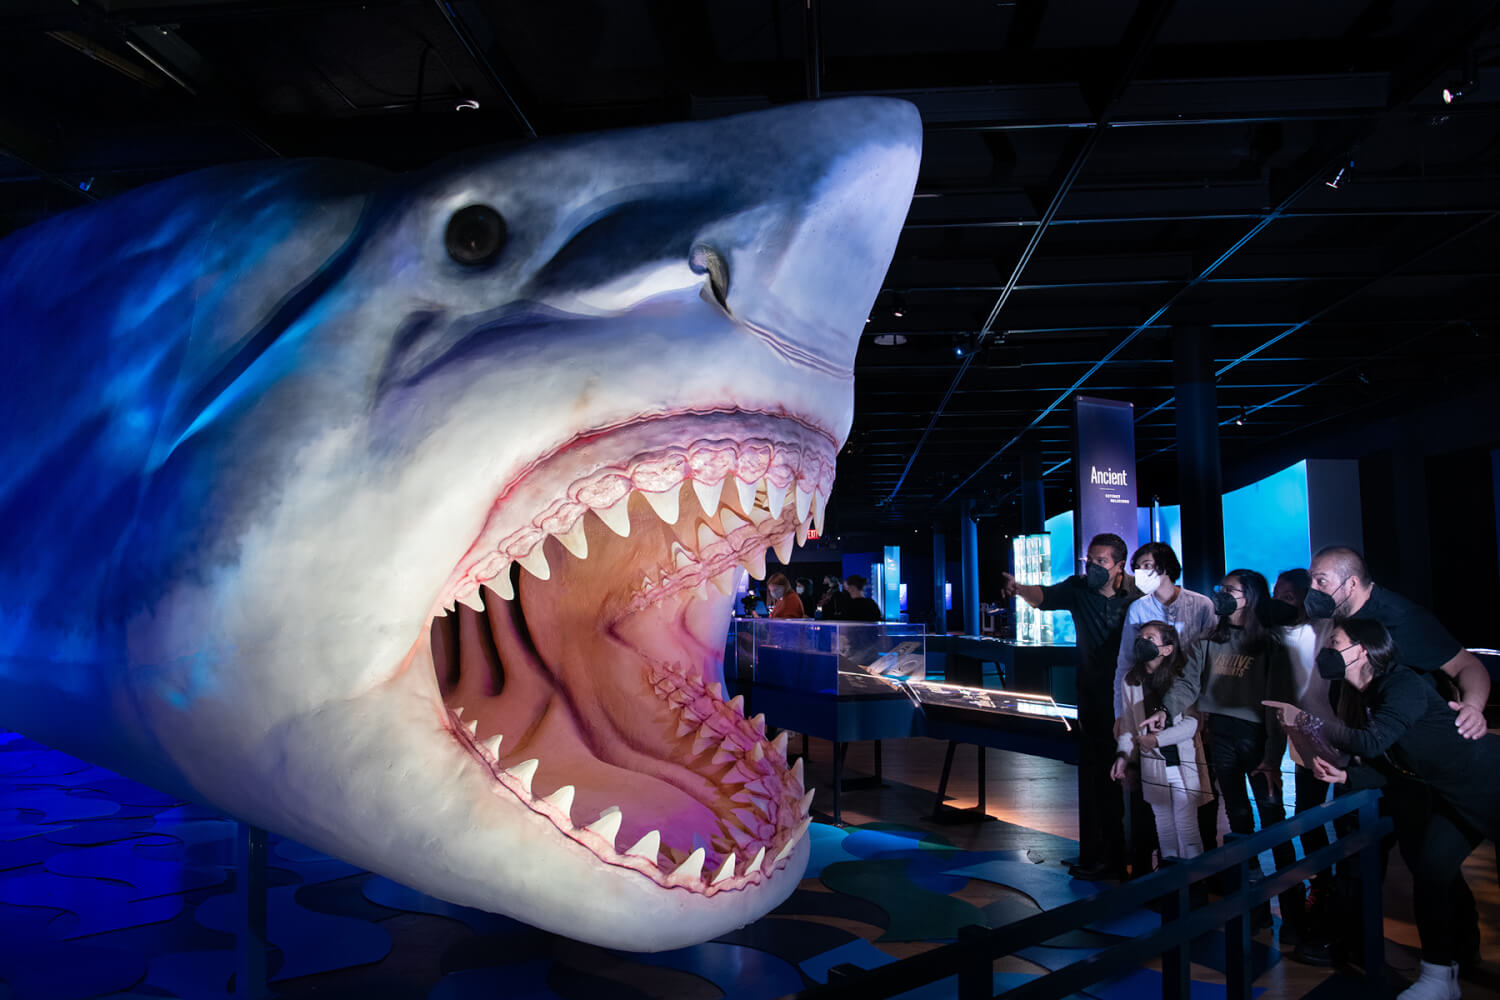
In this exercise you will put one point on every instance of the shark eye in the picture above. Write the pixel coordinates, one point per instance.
(476, 235)
(705, 259)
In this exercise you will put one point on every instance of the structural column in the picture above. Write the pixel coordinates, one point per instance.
(969, 532)
(939, 581)
(1200, 479)
(1033, 496)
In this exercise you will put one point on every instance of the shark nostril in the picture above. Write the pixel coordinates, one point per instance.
(704, 259)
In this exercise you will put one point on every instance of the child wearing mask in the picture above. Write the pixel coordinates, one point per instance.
(1156, 570)
(1174, 778)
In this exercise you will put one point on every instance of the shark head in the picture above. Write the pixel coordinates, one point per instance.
(429, 554)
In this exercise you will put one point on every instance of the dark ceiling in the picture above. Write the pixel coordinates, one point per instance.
(1098, 178)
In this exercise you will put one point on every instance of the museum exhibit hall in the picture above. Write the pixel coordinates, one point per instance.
(677, 501)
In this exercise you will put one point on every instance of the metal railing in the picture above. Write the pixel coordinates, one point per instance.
(971, 958)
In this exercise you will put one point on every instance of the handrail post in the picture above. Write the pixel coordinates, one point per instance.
(1176, 963)
(975, 981)
(1371, 904)
(1237, 929)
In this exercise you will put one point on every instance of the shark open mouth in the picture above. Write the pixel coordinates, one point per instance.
(579, 646)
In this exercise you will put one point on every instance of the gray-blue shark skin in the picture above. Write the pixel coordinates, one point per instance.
(329, 501)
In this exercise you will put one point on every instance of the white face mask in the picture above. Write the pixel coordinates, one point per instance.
(1147, 580)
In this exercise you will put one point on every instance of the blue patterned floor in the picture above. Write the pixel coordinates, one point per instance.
(108, 888)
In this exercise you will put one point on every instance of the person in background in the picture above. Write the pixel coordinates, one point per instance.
(804, 589)
(1243, 663)
(834, 601)
(1097, 600)
(1173, 773)
(1302, 639)
(858, 607)
(784, 603)
(1395, 724)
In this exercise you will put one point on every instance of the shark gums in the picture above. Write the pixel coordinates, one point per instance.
(400, 516)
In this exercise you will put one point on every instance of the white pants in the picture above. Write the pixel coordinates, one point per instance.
(1177, 819)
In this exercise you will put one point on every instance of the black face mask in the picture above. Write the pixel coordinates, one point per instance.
(1276, 614)
(1097, 576)
(1224, 605)
(1145, 650)
(1319, 605)
(1330, 661)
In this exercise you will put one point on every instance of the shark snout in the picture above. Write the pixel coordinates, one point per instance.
(803, 268)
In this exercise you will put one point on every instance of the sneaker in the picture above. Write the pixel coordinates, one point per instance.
(1437, 982)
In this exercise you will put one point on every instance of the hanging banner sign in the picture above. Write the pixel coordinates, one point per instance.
(1104, 460)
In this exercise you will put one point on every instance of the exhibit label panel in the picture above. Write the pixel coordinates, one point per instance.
(1104, 457)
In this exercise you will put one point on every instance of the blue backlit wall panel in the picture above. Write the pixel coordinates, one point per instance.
(1266, 523)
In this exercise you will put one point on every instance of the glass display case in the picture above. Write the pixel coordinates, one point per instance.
(833, 658)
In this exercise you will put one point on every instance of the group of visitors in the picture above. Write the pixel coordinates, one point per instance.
(1189, 699)
(840, 600)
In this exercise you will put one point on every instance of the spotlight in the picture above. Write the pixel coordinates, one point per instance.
(890, 339)
(1452, 94)
(899, 309)
(1339, 176)
(467, 104)
(1239, 421)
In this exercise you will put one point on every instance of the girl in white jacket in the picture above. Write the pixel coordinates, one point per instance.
(1174, 771)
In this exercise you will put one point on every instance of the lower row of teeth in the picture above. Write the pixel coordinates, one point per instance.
(558, 806)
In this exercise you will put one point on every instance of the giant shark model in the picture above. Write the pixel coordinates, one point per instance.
(400, 515)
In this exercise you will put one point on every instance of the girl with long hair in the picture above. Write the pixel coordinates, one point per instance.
(1397, 725)
(1242, 663)
(1174, 780)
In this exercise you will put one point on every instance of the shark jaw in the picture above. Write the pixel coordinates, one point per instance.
(578, 647)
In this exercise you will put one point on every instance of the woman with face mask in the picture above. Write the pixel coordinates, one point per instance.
(1242, 663)
(784, 603)
(1173, 775)
(1396, 725)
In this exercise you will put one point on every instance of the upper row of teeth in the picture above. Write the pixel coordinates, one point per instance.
(602, 832)
(761, 501)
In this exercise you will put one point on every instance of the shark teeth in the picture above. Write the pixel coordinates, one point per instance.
(726, 870)
(775, 498)
(746, 493)
(501, 586)
(575, 541)
(562, 800)
(802, 500)
(647, 847)
(667, 505)
(492, 746)
(692, 868)
(617, 517)
(535, 562)
(607, 826)
(523, 773)
(708, 496)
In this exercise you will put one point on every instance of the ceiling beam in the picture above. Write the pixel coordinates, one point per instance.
(461, 30)
(1140, 35)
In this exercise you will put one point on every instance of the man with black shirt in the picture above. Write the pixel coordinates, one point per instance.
(858, 608)
(1097, 600)
(1342, 588)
